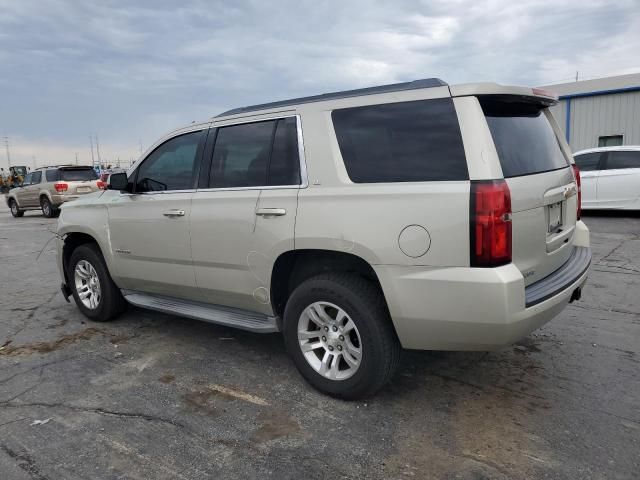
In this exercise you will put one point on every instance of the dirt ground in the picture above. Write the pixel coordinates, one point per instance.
(152, 396)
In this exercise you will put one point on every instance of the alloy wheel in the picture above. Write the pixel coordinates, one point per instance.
(87, 284)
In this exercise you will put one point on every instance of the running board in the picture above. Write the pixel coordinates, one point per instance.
(227, 316)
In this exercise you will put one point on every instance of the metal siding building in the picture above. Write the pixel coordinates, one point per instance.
(604, 107)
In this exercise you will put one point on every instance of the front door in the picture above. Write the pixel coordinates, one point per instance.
(618, 183)
(244, 218)
(149, 228)
(22, 193)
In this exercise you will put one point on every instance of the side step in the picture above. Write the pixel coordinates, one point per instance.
(227, 316)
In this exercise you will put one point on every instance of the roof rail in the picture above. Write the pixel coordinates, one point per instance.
(394, 87)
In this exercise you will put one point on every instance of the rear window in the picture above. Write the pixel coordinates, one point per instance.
(524, 138)
(401, 142)
(588, 161)
(77, 174)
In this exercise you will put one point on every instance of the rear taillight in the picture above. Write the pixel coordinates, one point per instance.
(576, 174)
(61, 187)
(101, 185)
(490, 219)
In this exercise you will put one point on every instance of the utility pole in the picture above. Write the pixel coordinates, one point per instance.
(576, 76)
(33, 158)
(6, 145)
(98, 151)
(76, 158)
(93, 160)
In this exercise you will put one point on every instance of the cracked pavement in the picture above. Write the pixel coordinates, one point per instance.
(162, 397)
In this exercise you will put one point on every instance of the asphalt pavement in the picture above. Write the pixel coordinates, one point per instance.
(153, 396)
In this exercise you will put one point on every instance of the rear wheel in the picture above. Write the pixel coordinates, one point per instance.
(93, 289)
(15, 211)
(47, 209)
(339, 334)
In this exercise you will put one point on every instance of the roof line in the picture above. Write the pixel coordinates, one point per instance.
(394, 87)
(599, 92)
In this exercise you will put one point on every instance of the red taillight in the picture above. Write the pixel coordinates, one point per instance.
(61, 187)
(576, 174)
(101, 185)
(490, 223)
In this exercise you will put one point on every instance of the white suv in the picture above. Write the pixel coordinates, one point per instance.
(416, 215)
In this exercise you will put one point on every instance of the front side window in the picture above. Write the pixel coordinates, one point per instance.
(401, 142)
(171, 166)
(623, 159)
(51, 175)
(37, 176)
(588, 161)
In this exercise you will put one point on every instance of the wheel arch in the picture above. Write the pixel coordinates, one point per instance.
(72, 241)
(293, 267)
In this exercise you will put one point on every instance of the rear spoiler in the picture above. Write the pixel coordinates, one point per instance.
(533, 95)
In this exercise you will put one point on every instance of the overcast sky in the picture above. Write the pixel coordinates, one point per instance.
(130, 71)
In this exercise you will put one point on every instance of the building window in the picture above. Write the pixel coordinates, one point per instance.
(610, 141)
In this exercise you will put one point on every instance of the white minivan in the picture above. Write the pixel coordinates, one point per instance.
(610, 177)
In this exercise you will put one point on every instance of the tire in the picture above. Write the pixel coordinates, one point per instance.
(15, 211)
(363, 303)
(47, 209)
(109, 303)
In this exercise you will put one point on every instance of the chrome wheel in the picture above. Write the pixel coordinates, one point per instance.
(14, 208)
(329, 340)
(46, 208)
(87, 284)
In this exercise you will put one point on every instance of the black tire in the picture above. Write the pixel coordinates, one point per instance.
(111, 302)
(363, 301)
(15, 211)
(47, 209)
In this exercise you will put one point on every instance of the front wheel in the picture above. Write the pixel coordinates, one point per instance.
(338, 332)
(93, 289)
(15, 211)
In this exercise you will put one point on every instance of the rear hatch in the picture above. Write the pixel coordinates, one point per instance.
(540, 180)
(80, 180)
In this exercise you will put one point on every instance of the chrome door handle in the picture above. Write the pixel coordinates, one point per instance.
(271, 212)
(174, 213)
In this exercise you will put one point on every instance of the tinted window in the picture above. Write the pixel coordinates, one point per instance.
(284, 167)
(588, 161)
(241, 155)
(171, 166)
(37, 176)
(401, 142)
(77, 174)
(523, 136)
(27, 179)
(623, 160)
(51, 175)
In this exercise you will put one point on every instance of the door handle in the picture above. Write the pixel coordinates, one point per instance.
(173, 213)
(271, 212)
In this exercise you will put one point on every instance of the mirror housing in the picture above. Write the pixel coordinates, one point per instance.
(118, 181)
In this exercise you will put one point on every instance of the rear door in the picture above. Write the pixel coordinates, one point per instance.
(22, 193)
(540, 179)
(244, 216)
(589, 165)
(619, 180)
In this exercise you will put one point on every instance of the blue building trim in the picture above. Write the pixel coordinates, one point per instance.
(567, 126)
(600, 92)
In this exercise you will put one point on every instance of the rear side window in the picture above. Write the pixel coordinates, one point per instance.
(523, 136)
(588, 161)
(51, 175)
(37, 176)
(256, 155)
(401, 142)
(78, 174)
(623, 159)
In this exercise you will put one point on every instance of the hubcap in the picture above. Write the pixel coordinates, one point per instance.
(45, 207)
(87, 284)
(329, 340)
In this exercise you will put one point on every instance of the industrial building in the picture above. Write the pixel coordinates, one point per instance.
(603, 112)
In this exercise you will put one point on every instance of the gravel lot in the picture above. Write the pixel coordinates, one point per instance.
(152, 396)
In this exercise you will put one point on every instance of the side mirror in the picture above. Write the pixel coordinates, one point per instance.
(118, 181)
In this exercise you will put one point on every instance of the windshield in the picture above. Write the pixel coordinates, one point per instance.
(524, 138)
(75, 175)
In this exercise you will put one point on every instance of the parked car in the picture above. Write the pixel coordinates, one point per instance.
(47, 188)
(610, 177)
(415, 215)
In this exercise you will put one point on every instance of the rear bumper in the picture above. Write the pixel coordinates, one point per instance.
(60, 199)
(475, 308)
